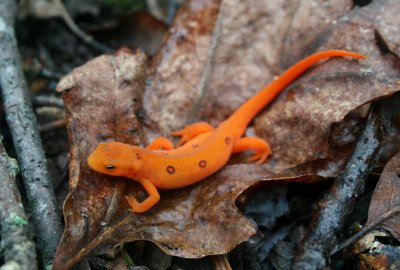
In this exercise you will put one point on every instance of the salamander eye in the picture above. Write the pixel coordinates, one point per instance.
(110, 167)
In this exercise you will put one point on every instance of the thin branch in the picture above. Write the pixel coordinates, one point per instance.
(388, 215)
(56, 124)
(77, 31)
(47, 101)
(155, 9)
(171, 11)
(19, 250)
(221, 262)
(322, 234)
(22, 123)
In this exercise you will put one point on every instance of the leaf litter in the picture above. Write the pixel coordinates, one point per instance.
(384, 210)
(204, 70)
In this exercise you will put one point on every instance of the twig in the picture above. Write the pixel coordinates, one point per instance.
(59, 123)
(18, 248)
(77, 31)
(322, 234)
(221, 262)
(47, 73)
(45, 100)
(155, 9)
(23, 127)
(171, 11)
(394, 211)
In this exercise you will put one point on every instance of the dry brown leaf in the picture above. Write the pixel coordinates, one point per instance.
(371, 252)
(374, 262)
(214, 58)
(232, 47)
(384, 210)
(249, 53)
(191, 222)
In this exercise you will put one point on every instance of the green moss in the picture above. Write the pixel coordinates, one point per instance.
(17, 220)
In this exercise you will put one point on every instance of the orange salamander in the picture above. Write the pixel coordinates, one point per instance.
(203, 149)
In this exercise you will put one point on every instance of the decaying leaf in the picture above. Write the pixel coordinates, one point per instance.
(373, 252)
(217, 54)
(384, 210)
(243, 61)
(192, 222)
(387, 258)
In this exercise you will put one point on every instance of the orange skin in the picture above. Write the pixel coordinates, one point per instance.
(203, 149)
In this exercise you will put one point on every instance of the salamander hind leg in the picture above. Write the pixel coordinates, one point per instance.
(161, 143)
(141, 207)
(261, 147)
(192, 131)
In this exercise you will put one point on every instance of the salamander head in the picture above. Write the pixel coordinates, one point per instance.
(117, 159)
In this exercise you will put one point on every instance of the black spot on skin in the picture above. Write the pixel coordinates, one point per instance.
(202, 164)
(138, 156)
(170, 169)
(227, 140)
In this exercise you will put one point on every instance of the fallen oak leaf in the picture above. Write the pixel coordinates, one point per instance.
(180, 66)
(307, 109)
(85, 202)
(126, 228)
(96, 213)
(240, 42)
(97, 216)
(384, 210)
(384, 15)
(305, 113)
(95, 205)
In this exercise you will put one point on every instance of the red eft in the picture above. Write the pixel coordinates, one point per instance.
(203, 149)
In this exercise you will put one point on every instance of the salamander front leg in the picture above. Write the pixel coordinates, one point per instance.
(192, 131)
(141, 207)
(261, 147)
(161, 143)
